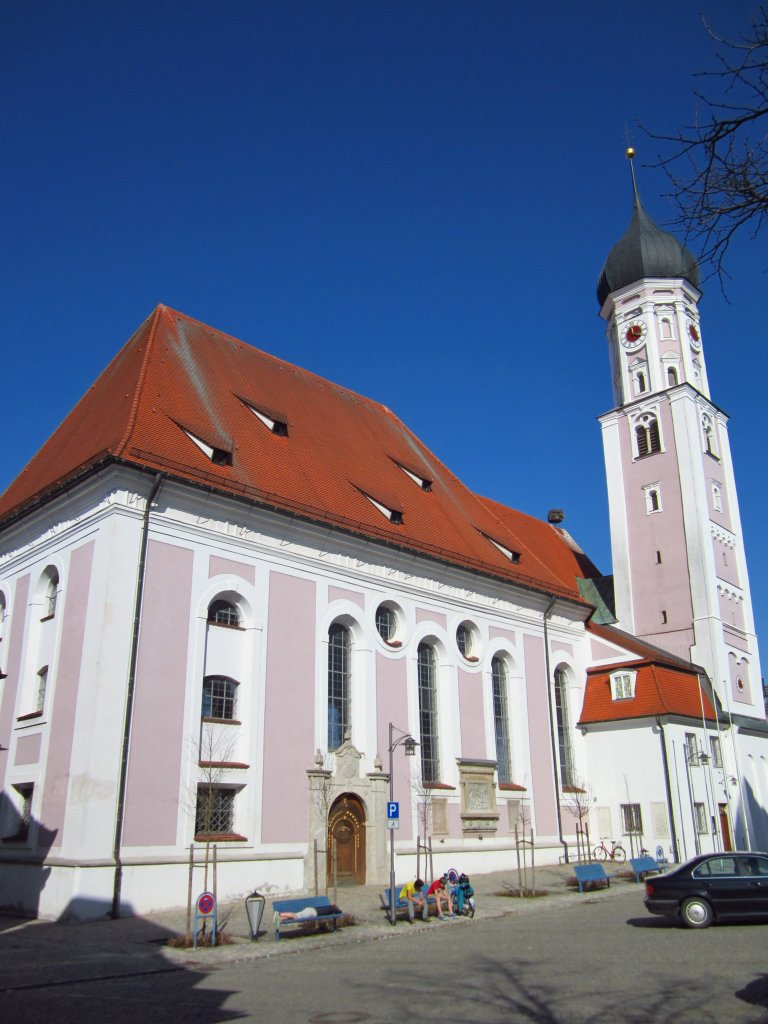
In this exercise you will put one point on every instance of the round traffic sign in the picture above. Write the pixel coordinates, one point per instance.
(205, 903)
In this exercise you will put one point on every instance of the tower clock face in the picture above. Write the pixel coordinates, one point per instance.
(693, 334)
(633, 334)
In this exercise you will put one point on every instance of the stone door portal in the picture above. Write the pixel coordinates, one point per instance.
(346, 840)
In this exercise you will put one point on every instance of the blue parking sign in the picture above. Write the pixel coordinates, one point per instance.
(393, 809)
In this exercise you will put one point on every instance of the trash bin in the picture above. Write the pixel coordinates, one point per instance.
(254, 908)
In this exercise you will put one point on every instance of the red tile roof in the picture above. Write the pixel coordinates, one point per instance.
(176, 374)
(659, 690)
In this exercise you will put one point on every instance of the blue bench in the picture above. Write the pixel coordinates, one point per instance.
(643, 866)
(590, 873)
(294, 906)
(402, 905)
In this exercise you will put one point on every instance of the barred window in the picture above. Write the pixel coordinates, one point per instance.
(427, 678)
(563, 728)
(501, 719)
(339, 652)
(465, 640)
(219, 697)
(386, 622)
(631, 819)
(215, 810)
(700, 813)
(223, 613)
(717, 754)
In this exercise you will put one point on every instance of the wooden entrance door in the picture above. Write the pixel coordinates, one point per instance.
(346, 838)
(725, 828)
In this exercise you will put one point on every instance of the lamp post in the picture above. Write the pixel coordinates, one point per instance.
(410, 745)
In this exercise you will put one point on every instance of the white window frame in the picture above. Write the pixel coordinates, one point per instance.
(623, 685)
(649, 491)
(717, 496)
(700, 818)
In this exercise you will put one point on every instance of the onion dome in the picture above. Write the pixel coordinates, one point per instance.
(645, 251)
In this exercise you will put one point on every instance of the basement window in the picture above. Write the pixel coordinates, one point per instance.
(277, 426)
(218, 456)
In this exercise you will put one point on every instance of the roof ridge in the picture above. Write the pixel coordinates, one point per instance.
(134, 410)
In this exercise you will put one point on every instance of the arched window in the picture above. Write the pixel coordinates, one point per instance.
(563, 728)
(51, 593)
(639, 382)
(223, 613)
(465, 640)
(339, 650)
(672, 376)
(427, 676)
(647, 436)
(219, 698)
(501, 719)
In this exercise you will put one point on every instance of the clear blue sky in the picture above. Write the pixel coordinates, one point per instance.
(411, 197)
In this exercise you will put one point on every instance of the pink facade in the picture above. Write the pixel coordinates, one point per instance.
(15, 641)
(426, 615)
(28, 749)
(67, 686)
(339, 594)
(157, 733)
(218, 566)
(289, 707)
(392, 706)
(471, 712)
(657, 551)
(542, 784)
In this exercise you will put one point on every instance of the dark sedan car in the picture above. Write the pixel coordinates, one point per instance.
(712, 887)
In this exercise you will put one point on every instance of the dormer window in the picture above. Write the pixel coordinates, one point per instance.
(622, 685)
(513, 556)
(271, 422)
(393, 515)
(218, 456)
(420, 481)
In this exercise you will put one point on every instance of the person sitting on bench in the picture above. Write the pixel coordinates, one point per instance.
(439, 889)
(413, 894)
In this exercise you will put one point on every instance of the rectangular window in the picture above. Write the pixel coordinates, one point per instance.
(622, 686)
(717, 755)
(215, 811)
(631, 819)
(691, 747)
(700, 814)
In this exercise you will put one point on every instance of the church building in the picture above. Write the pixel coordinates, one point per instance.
(231, 590)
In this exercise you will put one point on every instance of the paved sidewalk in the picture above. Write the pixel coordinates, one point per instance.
(39, 953)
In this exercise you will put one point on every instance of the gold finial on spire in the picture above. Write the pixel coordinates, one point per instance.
(631, 156)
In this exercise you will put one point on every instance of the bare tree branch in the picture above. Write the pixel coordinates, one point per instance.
(718, 166)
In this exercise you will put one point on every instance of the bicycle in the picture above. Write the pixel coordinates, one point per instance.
(616, 852)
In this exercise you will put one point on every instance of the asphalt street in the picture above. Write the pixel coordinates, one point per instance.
(590, 961)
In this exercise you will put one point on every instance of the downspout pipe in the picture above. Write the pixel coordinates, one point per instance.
(128, 719)
(558, 794)
(668, 789)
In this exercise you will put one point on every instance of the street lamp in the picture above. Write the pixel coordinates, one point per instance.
(410, 745)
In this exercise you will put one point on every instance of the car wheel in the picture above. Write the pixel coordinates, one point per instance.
(599, 853)
(618, 854)
(696, 912)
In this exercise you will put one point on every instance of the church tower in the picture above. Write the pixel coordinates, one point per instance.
(680, 574)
